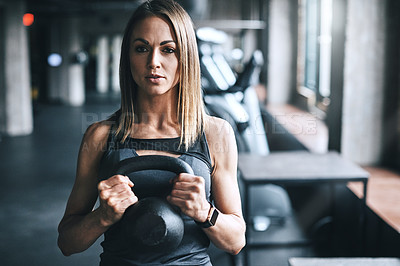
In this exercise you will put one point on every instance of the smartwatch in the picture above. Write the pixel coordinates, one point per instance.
(211, 218)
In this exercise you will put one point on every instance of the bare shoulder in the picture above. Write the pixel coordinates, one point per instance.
(96, 135)
(220, 137)
(217, 125)
(98, 129)
(92, 148)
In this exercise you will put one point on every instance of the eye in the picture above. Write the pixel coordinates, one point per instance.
(141, 49)
(169, 50)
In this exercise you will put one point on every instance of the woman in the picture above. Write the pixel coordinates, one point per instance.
(161, 113)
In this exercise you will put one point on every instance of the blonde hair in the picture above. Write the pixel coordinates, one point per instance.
(190, 109)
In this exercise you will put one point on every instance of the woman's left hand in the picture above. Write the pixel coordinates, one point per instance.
(188, 193)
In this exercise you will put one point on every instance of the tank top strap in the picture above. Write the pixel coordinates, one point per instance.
(201, 151)
(198, 149)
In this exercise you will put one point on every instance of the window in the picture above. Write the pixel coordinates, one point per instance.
(315, 20)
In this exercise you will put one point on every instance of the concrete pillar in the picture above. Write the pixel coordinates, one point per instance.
(334, 115)
(116, 55)
(281, 57)
(55, 75)
(66, 82)
(15, 92)
(76, 87)
(363, 91)
(102, 71)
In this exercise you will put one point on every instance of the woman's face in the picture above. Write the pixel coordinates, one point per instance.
(154, 56)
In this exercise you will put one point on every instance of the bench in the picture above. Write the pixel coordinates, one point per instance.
(383, 194)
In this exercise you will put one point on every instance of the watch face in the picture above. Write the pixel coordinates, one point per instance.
(214, 217)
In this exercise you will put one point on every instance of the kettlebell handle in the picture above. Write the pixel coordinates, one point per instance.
(152, 224)
(153, 162)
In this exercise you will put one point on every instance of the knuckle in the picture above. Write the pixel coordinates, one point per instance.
(187, 205)
(200, 180)
(177, 186)
(197, 189)
(117, 187)
(173, 192)
(119, 178)
(110, 202)
(127, 193)
(192, 196)
(103, 194)
(127, 187)
(133, 199)
(100, 186)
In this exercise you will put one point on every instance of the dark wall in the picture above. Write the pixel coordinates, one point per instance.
(391, 135)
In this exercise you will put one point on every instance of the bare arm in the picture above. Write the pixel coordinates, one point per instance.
(229, 230)
(81, 226)
(188, 193)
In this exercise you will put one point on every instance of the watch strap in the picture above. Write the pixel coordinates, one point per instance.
(211, 218)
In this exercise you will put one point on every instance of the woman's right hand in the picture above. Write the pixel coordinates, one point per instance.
(115, 196)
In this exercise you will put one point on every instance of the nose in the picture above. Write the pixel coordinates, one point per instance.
(154, 60)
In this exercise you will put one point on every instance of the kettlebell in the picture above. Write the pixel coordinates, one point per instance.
(152, 224)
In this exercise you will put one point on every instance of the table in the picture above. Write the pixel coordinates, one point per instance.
(297, 167)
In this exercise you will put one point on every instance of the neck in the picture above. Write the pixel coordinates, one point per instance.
(157, 115)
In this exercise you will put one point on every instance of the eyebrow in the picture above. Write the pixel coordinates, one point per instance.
(146, 42)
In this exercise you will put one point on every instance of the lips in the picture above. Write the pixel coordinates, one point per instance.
(155, 79)
(154, 76)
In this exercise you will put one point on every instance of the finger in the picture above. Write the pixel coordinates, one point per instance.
(187, 178)
(122, 194)
(192, 187)
(115, 180)
(184, 177)
(189, 187)
(187, 195)
(179, 202)
(126, 202)
(179, 195)
(129, 201)
(119, 203)
(117, 191)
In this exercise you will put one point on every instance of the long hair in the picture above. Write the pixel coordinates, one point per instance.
(190, 109)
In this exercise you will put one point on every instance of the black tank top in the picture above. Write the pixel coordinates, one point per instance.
(193, 248)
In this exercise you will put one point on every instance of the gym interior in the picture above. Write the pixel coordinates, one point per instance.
(327, 84)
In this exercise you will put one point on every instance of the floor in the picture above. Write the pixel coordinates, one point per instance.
(37, 173)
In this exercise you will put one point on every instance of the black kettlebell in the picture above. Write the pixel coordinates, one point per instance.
(152, 224)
